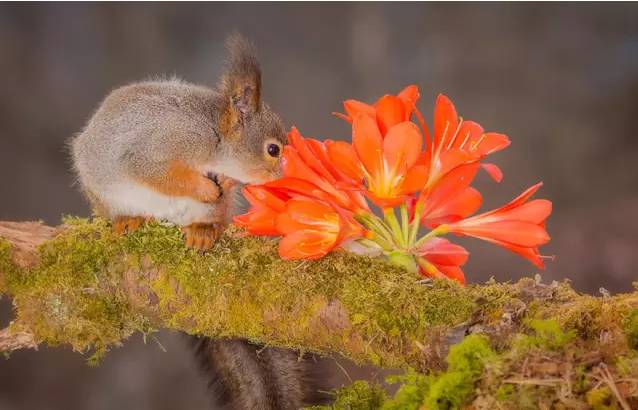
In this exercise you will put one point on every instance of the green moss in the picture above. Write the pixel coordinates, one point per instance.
(628, 365)
(466, 361)
(505, 392)
(601, 399)
(444, 391)
(75, 294)
(630, 327)
(546, 334)
(7, 268)
(411, 393)
(361, 395)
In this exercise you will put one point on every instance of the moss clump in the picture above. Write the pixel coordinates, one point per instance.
(360, 395)
(73, 295)
(466, 361)
(505, 392)
(601, 399)
(630, 326)
(412, 391)
(80, 294)
(547, 335)
(6, 263)
(444, 391)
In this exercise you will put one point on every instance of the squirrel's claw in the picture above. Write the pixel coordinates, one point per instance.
(127, 224)
(201, 236)
(222, 183)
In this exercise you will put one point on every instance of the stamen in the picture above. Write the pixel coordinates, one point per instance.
(475, 145)
(467, 137)
(550, 257)
(456, 133)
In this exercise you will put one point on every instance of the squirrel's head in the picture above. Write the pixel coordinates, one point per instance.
(252, 134)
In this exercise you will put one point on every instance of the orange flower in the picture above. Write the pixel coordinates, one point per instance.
(312, 228)
(440, 258)
(518, 226)
(458, 142)
(266, 205)
(388, 111)
(451, 198)
(307, 160)
(388, 164)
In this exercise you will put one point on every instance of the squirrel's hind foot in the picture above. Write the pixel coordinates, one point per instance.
(128, 224)
(202, 236)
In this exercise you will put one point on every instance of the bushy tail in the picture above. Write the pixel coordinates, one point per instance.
(244, 376)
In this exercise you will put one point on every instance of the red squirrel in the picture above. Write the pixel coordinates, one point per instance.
(170, 150)
(173, 151)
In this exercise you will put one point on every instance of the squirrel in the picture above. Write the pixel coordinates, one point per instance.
(173, 151)
(168, 150)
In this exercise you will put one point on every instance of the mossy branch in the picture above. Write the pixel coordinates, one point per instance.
(83, 286)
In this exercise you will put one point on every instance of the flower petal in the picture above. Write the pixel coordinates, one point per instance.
(306, 153)
(415, 179)
(260, 195)
(446, 120)
(488, 143)
(308, 214)
(402, 146)
(390, 111)
(469, 131)
(448, 187)
(536, 211)
(354, 108)
(443, 252)
(306, 244)
(493, 171)
(461, 206)
(344, 158)
(453, 272)
(368, 143)
(409, 95)
(519, 233)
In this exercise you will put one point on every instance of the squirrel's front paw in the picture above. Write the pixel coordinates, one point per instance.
(207, 190)
(222, 184)
(202, 236)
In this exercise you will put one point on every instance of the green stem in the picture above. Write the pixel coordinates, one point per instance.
(405, 225)
(376, 225)
(416, 224)
(392, 221)
(378, 240)
(440, 230)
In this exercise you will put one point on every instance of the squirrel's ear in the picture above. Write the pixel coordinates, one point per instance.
(240, 86)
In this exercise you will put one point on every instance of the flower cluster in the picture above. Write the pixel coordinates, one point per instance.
(416, 180)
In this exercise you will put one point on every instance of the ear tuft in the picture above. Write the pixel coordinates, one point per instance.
(240, 86)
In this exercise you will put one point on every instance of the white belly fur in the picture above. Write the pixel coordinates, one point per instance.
(132, 199)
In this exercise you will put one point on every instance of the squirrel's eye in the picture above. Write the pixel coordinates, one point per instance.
(273, 150)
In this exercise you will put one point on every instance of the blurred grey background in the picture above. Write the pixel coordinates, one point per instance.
(560, 79)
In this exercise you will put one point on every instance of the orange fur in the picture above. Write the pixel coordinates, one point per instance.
(182, 180)
(127, 224)
(202, 236)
